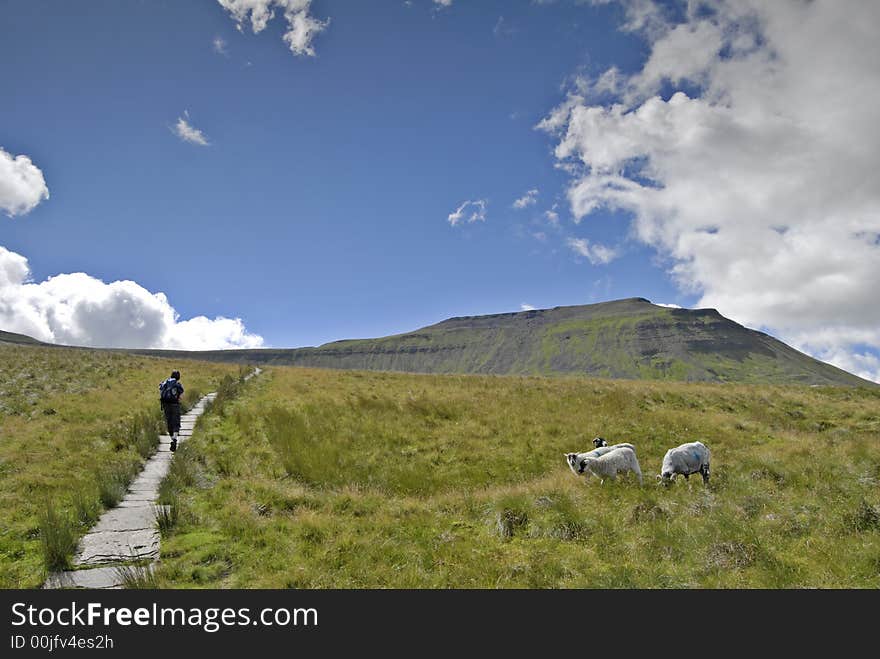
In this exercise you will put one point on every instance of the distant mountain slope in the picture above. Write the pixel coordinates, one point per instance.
(630, 338)
(622, 339)
(12, 337)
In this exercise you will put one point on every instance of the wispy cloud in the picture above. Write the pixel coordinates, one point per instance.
(526, 307)
(219, 45)
(530, 198)
(189, 133)
(595, 253)
(469, 211)
(503, 28)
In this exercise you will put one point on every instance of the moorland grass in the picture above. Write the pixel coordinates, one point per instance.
(75, 425)
(57, 538)
(321, 479)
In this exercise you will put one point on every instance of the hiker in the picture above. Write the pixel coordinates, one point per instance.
(170, 392)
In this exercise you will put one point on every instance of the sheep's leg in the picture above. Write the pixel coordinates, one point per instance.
(687, 476)
(704, 471)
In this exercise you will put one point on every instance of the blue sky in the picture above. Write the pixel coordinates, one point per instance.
(319, 208)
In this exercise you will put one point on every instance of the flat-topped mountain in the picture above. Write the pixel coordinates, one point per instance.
(630, 338)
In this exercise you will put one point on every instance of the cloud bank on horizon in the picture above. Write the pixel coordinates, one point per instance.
(77, 309)
(746, 151)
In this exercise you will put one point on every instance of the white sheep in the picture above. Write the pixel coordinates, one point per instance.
(621, 459)
(574, 459)
(686, 459)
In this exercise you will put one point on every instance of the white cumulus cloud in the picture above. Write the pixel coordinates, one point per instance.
(469, 211)
(22, 185)
(302, 27)
(77, 309)
(759, 178)
(530, 198)
(526, 307)
(189, 133)
(595, 253)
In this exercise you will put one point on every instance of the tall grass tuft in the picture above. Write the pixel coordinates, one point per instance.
(57, 538)
(511, 516)
(183, 473)
(167, 515)
(190, 397)
(142, 431)
(137, 577)
(227, 390)
(113, 482)
(865, 518)
(86, 508)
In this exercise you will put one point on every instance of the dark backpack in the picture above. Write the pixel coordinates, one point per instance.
(168, 391)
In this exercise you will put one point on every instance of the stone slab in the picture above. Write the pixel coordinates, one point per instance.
(155, 470)
(126, 519)
(140, 503)
(99, 577)
(117, 547)
(139, 496)
(142, 483)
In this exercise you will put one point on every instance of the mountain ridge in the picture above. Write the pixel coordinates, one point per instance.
(630, 338)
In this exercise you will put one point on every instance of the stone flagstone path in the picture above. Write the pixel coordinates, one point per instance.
(128, 532)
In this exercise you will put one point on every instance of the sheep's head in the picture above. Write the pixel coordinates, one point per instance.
(665, 478)
(599, 441)
(584, 465)
(572, 460)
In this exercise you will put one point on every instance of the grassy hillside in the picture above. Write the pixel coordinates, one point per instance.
(631, 339)
(74, 425)
(318, 478)
(13, 338)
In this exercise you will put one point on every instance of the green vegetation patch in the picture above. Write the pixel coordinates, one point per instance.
(75, 426)
(320, 479)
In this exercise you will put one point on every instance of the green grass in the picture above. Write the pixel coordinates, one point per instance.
(75, 425)
(57, 537)
(322, 479)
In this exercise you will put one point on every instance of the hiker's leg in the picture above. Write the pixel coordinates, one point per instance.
(169, 418)
(176, 417)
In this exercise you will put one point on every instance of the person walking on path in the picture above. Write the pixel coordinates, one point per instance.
(170, 392)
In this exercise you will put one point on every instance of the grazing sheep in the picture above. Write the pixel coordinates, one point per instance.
(686, 459)
(574, 459)
(621, 459)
